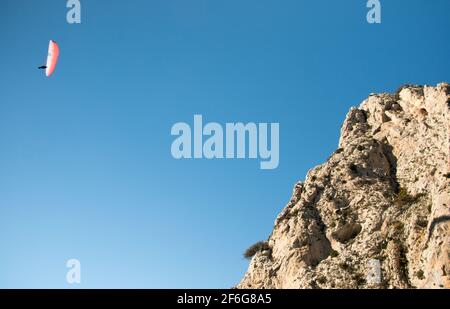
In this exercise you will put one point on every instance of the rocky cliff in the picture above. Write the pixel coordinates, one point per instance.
(377, 213)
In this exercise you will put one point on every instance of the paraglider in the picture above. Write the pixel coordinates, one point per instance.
(52, 58)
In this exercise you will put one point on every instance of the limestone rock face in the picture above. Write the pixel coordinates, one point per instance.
(377, 213)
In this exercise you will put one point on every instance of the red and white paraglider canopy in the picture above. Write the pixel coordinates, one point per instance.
(52, 58)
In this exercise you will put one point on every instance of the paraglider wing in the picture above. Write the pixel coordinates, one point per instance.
(52, 58)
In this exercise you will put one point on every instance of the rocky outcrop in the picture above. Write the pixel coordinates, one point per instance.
(377, 213)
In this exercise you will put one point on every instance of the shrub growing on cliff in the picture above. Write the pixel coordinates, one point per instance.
(420, 275)
(403, 198)
(322, 280)
(255, 248)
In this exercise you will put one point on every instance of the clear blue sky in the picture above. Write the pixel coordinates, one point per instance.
(85, 164)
